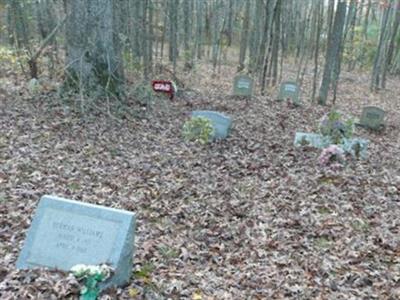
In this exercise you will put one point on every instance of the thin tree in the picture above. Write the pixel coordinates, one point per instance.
(333, 51)
(244, 36)
(379, 68)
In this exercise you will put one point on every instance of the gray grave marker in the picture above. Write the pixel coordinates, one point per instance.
(311, 139)
(221, 123)
(356, 147)
(65, 233)
(372, 117)
(289, 89)
(243, 86)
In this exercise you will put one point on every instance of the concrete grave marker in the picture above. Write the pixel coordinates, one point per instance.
(356, 147)
(372, 117)
(243, 86)
(289, 89)
(311, 139)
(221, 123)
(65, 233)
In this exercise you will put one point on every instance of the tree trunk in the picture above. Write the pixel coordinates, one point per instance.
(395, 31)
(199, 28)
(187, 12)
(244, 36)
(318, 23)
(379, 69)
(273, 71)
(93, 61)
(173, 33)
(333, 51)
(229, 31)
(18, 26)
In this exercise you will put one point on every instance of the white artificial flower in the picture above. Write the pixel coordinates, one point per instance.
(93, 270)
(105, 270)
(79, 270)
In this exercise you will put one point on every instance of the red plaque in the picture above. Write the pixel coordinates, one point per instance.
(164, 86)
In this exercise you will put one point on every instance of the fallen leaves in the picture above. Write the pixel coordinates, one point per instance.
(251, 217)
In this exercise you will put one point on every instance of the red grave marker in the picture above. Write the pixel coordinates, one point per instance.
(164, 86)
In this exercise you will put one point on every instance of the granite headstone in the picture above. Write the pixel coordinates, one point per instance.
(243, 86)
(289, 90)
(372, 117)
(65, 233)
(221, 123)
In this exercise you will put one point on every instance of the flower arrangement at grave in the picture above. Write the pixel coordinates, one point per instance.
(198, 129)
(335, 128)
(91, 276)
(332, 156)
(339, 133)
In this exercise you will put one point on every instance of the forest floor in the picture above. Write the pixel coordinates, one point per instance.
(250, 217)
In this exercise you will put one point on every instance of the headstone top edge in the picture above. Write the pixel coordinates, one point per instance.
(243, 75)
(209, 112)
(48, 200)
(373, 107)
(289, 82)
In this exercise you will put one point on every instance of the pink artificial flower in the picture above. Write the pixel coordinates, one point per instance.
(331, 154)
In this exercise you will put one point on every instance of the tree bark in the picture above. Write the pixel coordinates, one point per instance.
(93, 61)
(244, 36)
(379, 69)
(333, 51)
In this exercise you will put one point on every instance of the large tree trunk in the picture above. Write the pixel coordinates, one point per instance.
(93, 62)
(333, 51)
(394, 38)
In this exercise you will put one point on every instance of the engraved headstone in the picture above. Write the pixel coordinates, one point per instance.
(243, 86)
(65, 233)
(289, 90)
(221, 123)
(372, 117)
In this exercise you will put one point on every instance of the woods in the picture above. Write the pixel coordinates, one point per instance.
(267, 33)
(199, 149)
